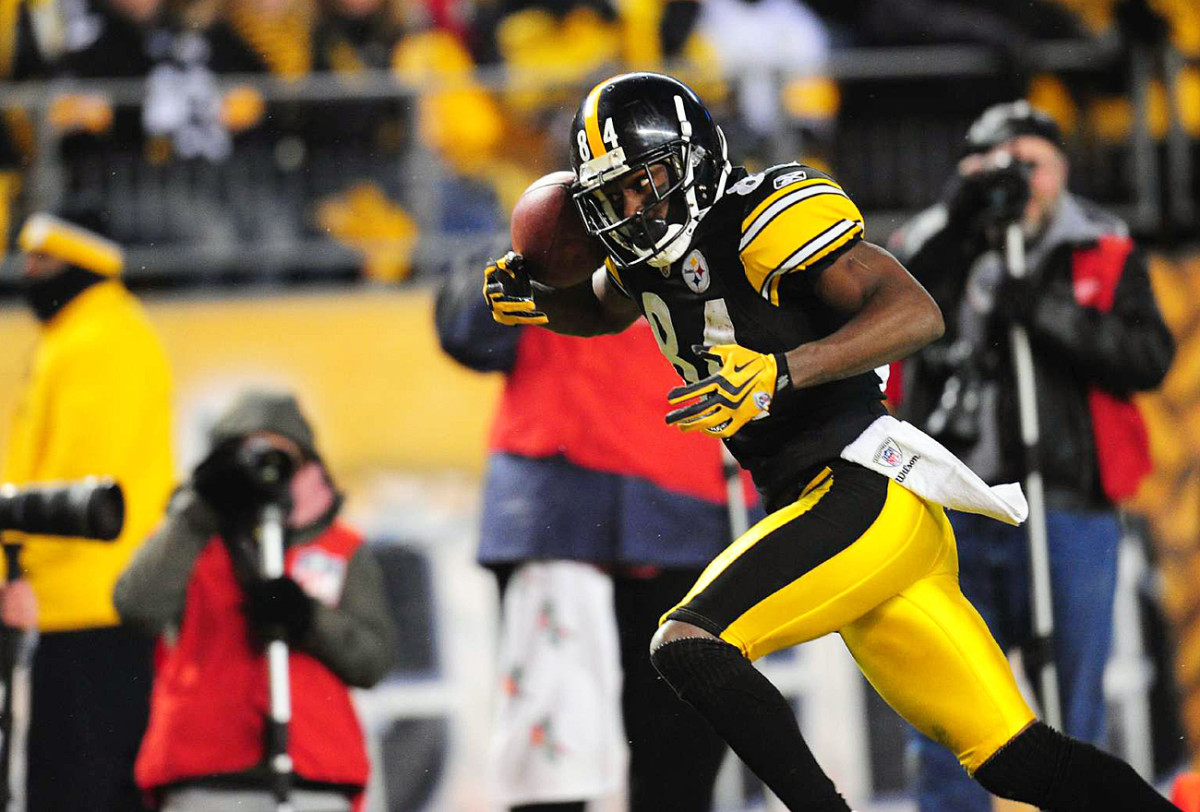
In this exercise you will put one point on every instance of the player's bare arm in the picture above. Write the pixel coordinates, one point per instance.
(592, 307)
(892, 317)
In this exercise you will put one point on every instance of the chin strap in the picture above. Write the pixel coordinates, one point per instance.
(679, 238)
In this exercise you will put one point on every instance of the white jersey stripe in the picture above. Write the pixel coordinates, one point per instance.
(768, 214)
(804, 252)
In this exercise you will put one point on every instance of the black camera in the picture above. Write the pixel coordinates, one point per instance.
(90, 508)
(267, 467)
(994, 195)
(1006, 191)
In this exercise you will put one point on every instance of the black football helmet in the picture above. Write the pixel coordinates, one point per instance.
(650, 127)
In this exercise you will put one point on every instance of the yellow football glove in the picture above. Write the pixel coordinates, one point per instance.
(741, 391)
(508, 291)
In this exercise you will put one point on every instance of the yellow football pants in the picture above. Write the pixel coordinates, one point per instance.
(892, 593)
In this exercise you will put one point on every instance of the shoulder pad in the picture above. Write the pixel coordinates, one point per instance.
(754, 188)
(794, 218)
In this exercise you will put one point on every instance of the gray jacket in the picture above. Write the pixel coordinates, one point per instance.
(355, 639)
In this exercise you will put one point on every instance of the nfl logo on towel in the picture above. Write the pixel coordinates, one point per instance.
(889, 454)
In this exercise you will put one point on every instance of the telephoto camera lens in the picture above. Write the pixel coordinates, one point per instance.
(269, 467)
(90, 508)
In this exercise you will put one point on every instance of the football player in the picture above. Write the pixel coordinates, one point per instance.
(775, 311)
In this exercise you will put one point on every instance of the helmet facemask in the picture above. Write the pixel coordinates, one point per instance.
(657, 232)
(677, 182)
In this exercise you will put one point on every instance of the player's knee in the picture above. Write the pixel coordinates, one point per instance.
(674, 630)
(1028, 767)
(693, 664)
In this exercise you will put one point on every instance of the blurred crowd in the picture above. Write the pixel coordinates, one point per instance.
(487, 87)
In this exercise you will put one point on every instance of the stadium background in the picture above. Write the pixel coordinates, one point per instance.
(292, 178)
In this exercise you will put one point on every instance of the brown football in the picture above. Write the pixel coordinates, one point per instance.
(546, 229)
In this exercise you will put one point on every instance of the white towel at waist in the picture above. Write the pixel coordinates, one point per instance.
(904, 453)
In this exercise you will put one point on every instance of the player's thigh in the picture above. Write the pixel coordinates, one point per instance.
(931, 657)
(851, 541)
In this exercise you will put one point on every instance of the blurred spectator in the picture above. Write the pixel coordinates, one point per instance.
(1164, 37)
(331, 162)
(502, 139)
(355, 145)
(676, 25)
(108, 38)
(519, 22)
(492, 154)
(1097, 337)
(549, 49)
(575, 526)
(97, 402)
(895, 134)
(354, 35)
(197, 583)
(931, 22)
(183, 113)
(364, 218)
(767, 45)
(102, 39)
(20, 58)
(265, 36)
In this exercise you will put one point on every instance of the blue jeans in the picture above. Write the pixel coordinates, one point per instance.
(994, 575)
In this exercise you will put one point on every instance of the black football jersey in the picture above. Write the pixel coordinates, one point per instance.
(748, 279)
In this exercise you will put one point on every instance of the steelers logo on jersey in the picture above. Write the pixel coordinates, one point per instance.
(695, 272)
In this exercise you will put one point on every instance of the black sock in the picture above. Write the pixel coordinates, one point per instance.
(1042, 767)
(752, 716)
(565, 806)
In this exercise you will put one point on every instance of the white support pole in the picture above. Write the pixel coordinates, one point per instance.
(270, 542)
(1039, 553)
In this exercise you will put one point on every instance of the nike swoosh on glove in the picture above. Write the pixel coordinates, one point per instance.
(509, 293)
(741, 391)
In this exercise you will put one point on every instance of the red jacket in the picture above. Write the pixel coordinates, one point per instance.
(1122, 444)
(601, 402)
(209, 700)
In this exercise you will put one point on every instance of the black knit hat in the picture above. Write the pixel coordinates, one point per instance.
(1003, 122)
(260, 410)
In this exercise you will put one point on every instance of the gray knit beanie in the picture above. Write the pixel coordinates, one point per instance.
(261, 410)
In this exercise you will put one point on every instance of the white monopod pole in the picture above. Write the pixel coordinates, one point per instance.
(1039, 555)
(739, 513)
(280, 763)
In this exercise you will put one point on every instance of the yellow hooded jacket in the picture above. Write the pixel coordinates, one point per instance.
(97, 403)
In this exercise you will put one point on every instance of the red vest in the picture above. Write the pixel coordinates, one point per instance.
(210, 692)
(601, 402)
(1122, 445)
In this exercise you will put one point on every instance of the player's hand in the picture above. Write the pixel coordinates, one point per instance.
(722, 403)
(509, 293)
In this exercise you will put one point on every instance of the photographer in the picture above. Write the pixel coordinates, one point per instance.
(196, 582)
(1097, 336)
(96, 401)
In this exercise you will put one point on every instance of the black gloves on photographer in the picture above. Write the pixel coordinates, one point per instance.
(989, 198)
(278, 608)
(1015, 300)
(233, 481)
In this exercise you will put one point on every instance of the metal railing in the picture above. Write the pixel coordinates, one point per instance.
(251, 214)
